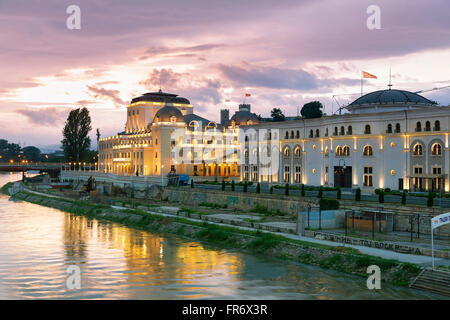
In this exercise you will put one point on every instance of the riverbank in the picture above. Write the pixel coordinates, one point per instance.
(343, 259)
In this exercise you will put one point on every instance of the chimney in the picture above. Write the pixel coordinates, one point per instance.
(224, 116)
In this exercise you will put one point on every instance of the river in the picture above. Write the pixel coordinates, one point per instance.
(39, 244)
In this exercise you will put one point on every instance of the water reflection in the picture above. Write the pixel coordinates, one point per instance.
(37, 244)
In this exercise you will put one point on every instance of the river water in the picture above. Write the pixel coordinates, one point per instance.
(39, 244)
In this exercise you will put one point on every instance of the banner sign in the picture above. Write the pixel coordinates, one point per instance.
(440, 220)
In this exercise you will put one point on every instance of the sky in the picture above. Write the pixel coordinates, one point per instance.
(284, 53)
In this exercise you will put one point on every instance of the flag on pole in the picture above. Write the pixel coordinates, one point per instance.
(227, 100)
(248, 95)
(368, 75)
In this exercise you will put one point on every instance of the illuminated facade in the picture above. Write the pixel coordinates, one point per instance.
(389, 139)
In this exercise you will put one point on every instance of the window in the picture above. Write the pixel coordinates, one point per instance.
(346, 151)
(335, 131)
(368, 178)
(292, 134)
(437, 170)
(427, 126)
(286, 152)
(389, 128)
(311, 134)
(418, 170)
(298, 174)
(418, 127)
(368, 151)
(326, 175)
(338, 151)
(297, 134)
(287, 176)
(342, 130)
(317, 133)
(397, 128)
(349, 130)
(367, 129)
(436, 149)
(297, 152)
(246, 153)
(326, 152)
(437, 125)
(418, 150)
(286, 136)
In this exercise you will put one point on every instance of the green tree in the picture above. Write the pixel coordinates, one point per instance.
(303, 190)
(232, 185)
(404, 197)
(286, 189)
(223, 184)
(192, 183)
(381, 196)
(312, 110)
(320, 193)
(31, 154)
(358, 194)
(430, 199)
(76, 142)
(271, 190)
(277, 115)
(258, 188)
(245, 186)
(339, 193)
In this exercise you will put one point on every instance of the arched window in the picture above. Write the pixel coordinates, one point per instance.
(342, 130)
(346, 151)
(436, 149)
(292, 134)
(427, 126)
(297, 152)
(418, 150)
(368, 151)
(437, 125)
(397, 127)
(286, 135)
(297, 134)
(349, 130)
(287, 152)
(246, 138)
(367, 129)
(418, 126)
(246, 153)
(326, 152)
(389, 128)
(338, 151)
(311, 133)
(335, 131)
(317, 133)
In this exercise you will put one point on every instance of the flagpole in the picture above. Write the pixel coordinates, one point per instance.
(361, 83)
(432, 247)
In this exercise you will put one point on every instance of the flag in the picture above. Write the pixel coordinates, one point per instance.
(247, 94)
(368, 75)
(227, 100)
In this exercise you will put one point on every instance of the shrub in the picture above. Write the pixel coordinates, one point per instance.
(358, 194)
(223, 185)
(192, 183)
(339, 193)
(430, 199)
(232, 185)
(271, 190)
(286, 189)
(320, 194)
(303, 190)
(245, 186)
(328, 204)
(377, 191)
(381, 196)
(258, 188)
(404, 197)
(387, 190)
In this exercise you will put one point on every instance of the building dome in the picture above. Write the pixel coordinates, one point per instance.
(388, 100)
(161, 97)
(168, 114)
(242, 118)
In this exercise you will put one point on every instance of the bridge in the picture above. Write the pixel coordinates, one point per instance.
(52, 168)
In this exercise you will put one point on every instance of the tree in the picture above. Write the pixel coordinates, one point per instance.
(404, 197)
(31, 154)
(430, 199)
(358, 194)
(271, 190)
(339, 193)
(277, 115)
(312, 110)
(381, 196)
(245, 186)
(286, 189)
(320, 194)
(223, 184)
(258, 188)
(232, 185)
(76, 142)
(303, 190)
(192, 183)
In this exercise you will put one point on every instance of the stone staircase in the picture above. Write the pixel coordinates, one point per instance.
(433, 281)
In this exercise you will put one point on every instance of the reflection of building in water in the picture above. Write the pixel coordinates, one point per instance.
(147, 253)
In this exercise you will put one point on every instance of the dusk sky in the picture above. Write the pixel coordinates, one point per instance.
(285, 53)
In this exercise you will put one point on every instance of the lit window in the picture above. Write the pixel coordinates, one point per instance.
(436, 149)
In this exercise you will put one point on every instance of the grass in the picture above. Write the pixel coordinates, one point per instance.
(213, 205)
(5, 188)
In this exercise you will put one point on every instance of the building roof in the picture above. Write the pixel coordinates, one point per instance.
(166, 113)
(204, 122)
(391, 96)
(242, 118)
(161, 97)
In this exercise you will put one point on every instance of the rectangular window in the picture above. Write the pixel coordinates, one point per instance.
(368, 178)
(298, 174)
(287, 176)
